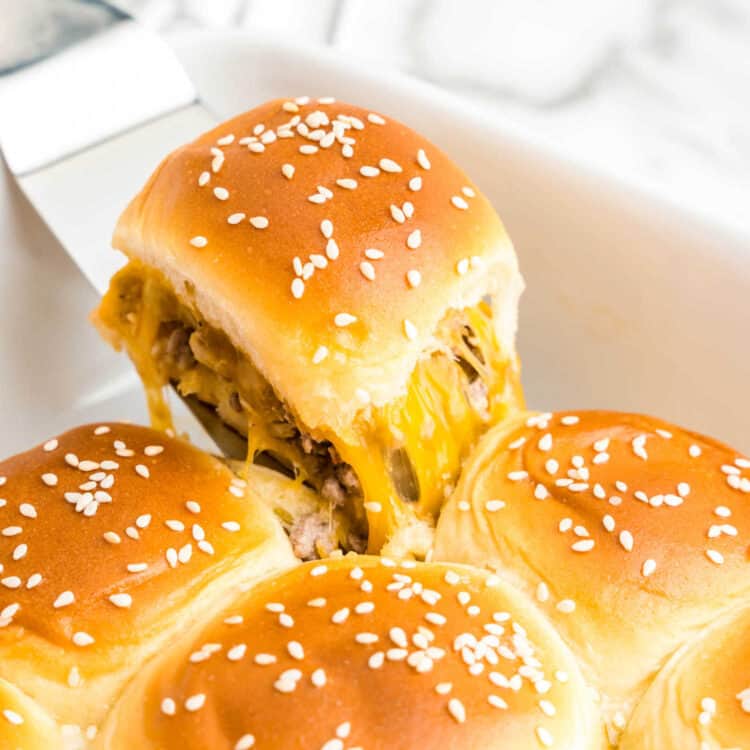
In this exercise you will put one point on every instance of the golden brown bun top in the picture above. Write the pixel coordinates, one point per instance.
(242, 278)
(360, 652)
(702, 695)
(631, 531)
(108, 528)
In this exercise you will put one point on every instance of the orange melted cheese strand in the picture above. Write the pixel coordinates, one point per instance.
(407, 454)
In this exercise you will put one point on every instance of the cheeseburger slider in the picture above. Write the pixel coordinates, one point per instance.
(342, 294)
(113, 539)
(362, 653)
(630, 532)
(701, 699)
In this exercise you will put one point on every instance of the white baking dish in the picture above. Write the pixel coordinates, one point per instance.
(630, 303)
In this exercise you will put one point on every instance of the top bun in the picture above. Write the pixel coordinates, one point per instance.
(628, 530)
(361, 652)
(113, 538)
(328, 242)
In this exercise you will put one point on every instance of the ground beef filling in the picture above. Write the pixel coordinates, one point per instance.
(180, 349)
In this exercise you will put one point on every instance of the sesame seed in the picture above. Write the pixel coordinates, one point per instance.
(570, 420)
(462, 266)
(374, 254)
(368, 171)
(286, 620)
(295, 650)
(344, 319)
(459, 202)
(259, 222)
(414, 240)
(50, 445)
(541, 492)
(388, 165)
(195, 702)
(367, 270)
(298, 288)
(566, 606)
(375, 119)
(494, 505)
(397, 214)
(468, 192)
(82, 639)
(373, 507)
(63, 600)
(320, 354)
(542, 591)
(287, 170)
(410, 330)
(422, 159)
(649, 566)
(326, 228)
(245, 742)
(124, 601)
(583, 545)
(13, 717)
(545, 442)
(347, 183)
(715, 556)
(199, 241)
(340, 616)
(264, 660)
(545, 736)
(415, 184)
(694, 451)
(456, 710)
(626, 540)
(413, 278)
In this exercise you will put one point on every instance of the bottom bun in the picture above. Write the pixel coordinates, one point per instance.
(361, 652)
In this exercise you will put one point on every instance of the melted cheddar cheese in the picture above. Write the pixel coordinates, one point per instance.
(409, 452)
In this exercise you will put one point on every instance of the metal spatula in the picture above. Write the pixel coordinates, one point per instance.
(81, 130)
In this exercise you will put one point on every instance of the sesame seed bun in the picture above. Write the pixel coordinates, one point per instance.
(362, 653)
(701, 699)
(335, 279)
(24, 725)
(629, 531)
(242, 277)
(115, 537)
